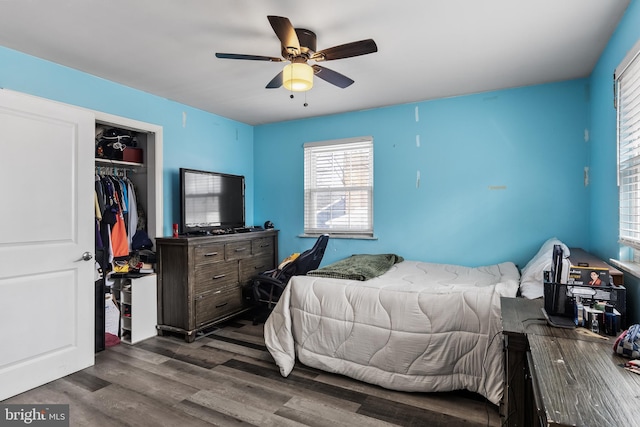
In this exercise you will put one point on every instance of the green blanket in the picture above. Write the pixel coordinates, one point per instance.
(358, 267)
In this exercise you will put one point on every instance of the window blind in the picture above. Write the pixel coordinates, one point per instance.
(627, 84)
(338, 187)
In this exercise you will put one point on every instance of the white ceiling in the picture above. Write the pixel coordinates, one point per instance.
(427, 49)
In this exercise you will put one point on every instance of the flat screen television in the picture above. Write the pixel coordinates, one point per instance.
(210, 201)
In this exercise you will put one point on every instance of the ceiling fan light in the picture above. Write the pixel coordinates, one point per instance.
(297, 77)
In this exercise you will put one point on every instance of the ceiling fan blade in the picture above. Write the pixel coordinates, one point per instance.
(286, 33)
(349, 50)
(332, 77)
(276, 82)
(248, 57)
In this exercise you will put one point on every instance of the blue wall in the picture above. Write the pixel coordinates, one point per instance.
(604, 189)
(500, 173)
(206, 141)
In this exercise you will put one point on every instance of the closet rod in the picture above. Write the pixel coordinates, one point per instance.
(112, 170)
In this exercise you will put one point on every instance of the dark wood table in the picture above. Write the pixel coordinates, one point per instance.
(523, 318)
(562, 377)
(579, 382)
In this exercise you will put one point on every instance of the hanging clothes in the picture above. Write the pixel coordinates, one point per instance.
(133, 212)
(119, 240)
(116, 217)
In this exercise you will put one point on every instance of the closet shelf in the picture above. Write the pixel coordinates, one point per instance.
(121, 163)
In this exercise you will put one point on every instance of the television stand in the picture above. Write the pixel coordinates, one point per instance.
(205, 280)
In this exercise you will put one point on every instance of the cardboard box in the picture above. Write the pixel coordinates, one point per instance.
(588, 276)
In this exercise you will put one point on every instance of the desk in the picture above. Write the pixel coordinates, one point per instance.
(578, 255)
(562, 376)
(521, 318)
(581, 383)
(518, 316)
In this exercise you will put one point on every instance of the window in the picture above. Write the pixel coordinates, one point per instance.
(627, 84)
(338, 187)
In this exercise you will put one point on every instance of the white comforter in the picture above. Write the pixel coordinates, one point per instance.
(418, 327)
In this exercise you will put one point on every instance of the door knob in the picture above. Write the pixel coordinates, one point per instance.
(87, 256)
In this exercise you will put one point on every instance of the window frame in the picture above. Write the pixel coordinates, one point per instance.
(627, 104)
(362, 147)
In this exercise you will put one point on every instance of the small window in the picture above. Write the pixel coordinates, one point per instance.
(627, 84)
(338, 187)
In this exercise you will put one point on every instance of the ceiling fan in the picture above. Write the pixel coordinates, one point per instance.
(299, 47)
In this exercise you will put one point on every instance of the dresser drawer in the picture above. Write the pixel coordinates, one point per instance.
(251, 267)
(215, 276)
(207, 254)
(262, 246)
(214, 305)
(237, 250)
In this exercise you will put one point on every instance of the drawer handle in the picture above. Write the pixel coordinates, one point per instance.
(211, 254)
(259, 267)
(241, 249)
(265, 246)
(219, 276)
(221, 305)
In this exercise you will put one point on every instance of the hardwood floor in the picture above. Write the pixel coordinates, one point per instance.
(228, 378)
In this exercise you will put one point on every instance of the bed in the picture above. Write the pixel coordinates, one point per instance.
(421, 327)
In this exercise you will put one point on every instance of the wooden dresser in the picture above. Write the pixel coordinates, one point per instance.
(201, 279)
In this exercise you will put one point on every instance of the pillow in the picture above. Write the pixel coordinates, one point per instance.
(531, 280)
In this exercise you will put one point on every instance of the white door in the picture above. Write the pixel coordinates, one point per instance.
(46, 224)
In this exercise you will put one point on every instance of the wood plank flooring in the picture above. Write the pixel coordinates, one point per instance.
(228, 378)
